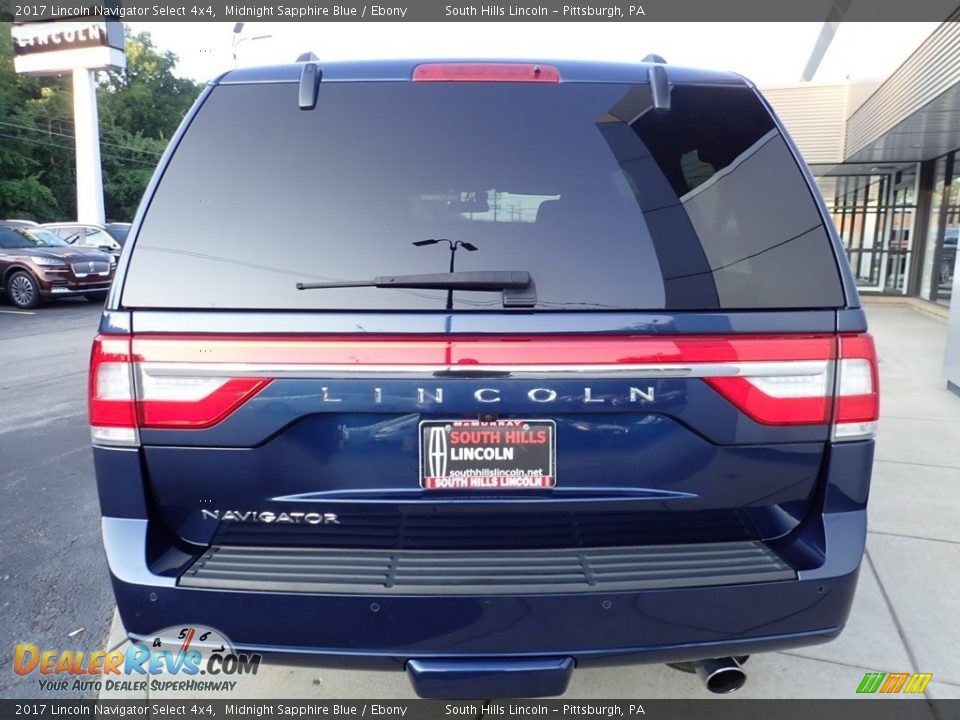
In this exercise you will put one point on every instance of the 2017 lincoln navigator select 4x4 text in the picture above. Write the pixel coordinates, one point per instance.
(485, 371)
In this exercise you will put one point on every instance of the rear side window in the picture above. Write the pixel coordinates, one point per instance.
(607, 203)
(9, 239)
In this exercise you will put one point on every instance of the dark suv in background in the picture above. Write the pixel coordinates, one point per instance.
(547, 366)
(118, 231)
(36, 265)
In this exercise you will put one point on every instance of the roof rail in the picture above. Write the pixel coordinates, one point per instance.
(654, 58)
(307, 56)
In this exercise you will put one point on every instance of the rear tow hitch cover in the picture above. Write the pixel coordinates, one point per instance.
(493, 677)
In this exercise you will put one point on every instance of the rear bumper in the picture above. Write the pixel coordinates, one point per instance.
(665, 624)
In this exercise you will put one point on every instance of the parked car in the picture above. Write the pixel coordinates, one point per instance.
(118, 231)
(532, 367)
(85, 235)
(37, 265)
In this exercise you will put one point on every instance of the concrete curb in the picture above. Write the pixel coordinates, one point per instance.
(117, 640)
(118, 634)
(930, 309)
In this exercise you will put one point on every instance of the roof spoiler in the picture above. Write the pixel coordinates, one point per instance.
(659, 82)
(659, 87)
(309, 85)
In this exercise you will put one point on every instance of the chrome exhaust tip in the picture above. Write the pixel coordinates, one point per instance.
(721, 675)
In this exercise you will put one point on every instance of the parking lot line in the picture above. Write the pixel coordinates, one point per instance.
(17, 312)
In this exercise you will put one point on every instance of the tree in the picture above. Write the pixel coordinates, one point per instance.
(24, 190)
(147, 96)
(140, 109)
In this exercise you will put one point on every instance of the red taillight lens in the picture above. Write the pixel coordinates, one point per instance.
(164, 381)
(192, 403)
(801, 391)
(510, 350)
(780, 380)
(125, 394)
(485, 72)
(806, 401)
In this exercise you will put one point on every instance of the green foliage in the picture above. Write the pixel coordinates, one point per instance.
(27, 192)
(140, 108)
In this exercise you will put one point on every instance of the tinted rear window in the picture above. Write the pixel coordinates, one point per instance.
(608, 203)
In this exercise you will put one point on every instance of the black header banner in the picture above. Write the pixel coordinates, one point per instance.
(920, 708)
(491, 10)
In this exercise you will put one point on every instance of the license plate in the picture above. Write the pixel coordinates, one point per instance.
(498, 455)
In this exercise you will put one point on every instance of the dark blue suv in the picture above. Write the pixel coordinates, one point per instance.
(485, 371)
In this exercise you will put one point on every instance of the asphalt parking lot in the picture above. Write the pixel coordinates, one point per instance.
(54, 581)
(53, 575)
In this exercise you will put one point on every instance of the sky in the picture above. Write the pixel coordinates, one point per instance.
(770, 54)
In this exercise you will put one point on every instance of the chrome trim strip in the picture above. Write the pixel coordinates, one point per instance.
(486, 372)
(66, 290)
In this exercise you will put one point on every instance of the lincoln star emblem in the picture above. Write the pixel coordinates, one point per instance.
(90, 267)
(437, 452)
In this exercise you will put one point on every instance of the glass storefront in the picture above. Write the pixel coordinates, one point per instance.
(943, 228)
(874, 214)
(874, 210)
(888, 166)
(902, 217)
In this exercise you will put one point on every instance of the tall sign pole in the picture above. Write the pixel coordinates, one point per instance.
(87, 131)
(80, 47)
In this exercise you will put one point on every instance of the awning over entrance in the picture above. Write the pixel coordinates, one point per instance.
(915, 114)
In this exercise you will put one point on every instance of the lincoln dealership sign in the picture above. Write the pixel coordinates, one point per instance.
(79, 46)
(62, 45)
(44, 37)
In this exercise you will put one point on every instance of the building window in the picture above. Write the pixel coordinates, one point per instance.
(874, 216)
(903, 211)
(940, 256)
(948, 251)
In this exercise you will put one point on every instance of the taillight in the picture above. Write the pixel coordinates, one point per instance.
(191, 402)
(779, 399)
(804, 391)
(858, 389)
(193, 382)
(127, 394)
(780, 380)
(485, 72)
(111, 398)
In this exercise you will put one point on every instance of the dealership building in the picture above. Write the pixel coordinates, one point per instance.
(887, 159)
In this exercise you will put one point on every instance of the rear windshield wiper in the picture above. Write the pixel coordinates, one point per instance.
(516, 285)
